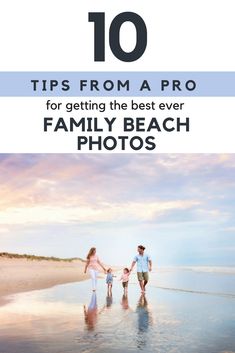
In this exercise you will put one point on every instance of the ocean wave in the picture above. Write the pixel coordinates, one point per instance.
(207, 269)
(220, 294)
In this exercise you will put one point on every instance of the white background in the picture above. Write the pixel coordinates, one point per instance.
(55, 35)
(211, 126)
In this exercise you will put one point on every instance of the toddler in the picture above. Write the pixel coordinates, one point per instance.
(125, 278)
(109, 281)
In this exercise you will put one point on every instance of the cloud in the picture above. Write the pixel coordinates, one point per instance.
(29, 180)
(4, 230)
(185, 196)
(99, 188)
(229, 229)
(105, 212)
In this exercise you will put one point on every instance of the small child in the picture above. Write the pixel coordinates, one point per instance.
(109, 281)
(125, 278)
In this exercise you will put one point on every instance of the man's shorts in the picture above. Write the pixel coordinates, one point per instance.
(125, 284)
(143, 276)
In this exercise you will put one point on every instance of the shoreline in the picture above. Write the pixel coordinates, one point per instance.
(18, 275)
(22, 275)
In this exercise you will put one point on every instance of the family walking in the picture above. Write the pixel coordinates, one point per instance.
(144, 265)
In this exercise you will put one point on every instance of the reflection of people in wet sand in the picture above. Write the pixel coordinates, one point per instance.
(109, 301)
(91, 313)
(144, 265)
(143, 314)
(144, 320)
(93, 263)
(125, 303)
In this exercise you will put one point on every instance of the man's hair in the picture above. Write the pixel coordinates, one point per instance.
(141, 247)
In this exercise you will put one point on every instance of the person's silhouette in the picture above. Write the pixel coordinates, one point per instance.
(91, 313)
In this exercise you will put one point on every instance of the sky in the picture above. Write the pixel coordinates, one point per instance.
(180, 207)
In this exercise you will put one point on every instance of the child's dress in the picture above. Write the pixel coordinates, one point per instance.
(109, 278)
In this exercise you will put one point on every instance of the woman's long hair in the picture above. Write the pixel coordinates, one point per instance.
(91, 253)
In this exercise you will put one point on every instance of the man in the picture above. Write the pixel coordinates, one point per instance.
(144, 265)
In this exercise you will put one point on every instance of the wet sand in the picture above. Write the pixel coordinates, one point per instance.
(21, 275)
(71, 318)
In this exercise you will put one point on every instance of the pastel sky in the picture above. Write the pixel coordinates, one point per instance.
(181, 207)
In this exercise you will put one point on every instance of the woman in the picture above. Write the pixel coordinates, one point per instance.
(93, 264)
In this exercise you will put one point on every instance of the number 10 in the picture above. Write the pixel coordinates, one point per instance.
(114, 36)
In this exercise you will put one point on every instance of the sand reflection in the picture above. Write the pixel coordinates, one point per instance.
(91, 313)
(144, 321)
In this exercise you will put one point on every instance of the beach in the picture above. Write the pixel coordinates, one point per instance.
(183, 311)
(23, 275)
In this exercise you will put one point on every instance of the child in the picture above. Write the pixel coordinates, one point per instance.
(109, 281)
(125, 278)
